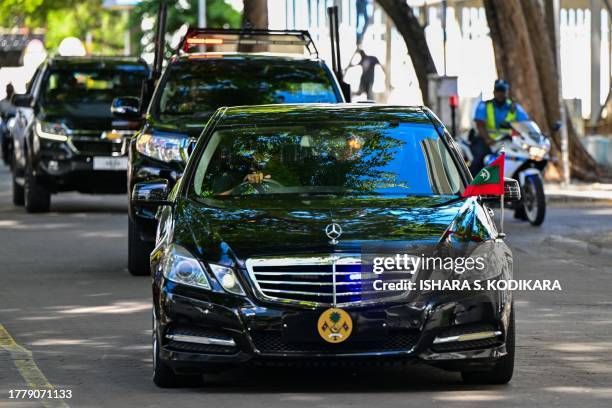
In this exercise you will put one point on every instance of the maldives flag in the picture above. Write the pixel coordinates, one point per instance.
(489, 180)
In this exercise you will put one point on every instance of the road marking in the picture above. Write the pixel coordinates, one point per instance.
(29, 371)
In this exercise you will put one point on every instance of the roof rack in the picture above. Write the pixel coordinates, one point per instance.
(251, 40)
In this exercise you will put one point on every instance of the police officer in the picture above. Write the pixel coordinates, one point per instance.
(491, 117)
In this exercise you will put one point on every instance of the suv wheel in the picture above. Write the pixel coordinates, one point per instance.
(37, 198)
(18, 193)
(138, 252)
(503, 370)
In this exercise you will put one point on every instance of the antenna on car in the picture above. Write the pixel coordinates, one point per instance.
(334, 36)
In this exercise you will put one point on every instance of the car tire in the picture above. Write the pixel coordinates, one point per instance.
(18, 193)
(138, 252)
(503, 370)
(37, 199)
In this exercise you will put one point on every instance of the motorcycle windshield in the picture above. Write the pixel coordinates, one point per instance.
(527, 127)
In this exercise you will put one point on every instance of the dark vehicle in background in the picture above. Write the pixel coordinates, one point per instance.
(65, 137)
(6, 142)
(216, 68)
(262, 244)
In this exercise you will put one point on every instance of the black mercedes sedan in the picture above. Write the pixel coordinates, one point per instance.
(269, 247)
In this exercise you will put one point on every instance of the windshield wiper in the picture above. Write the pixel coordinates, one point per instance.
(451, 201)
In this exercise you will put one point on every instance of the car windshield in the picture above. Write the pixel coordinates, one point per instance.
(83, 91)
(374, 158)
(200, 87)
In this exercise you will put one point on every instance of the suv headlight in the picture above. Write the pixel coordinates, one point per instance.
(52, 131)
(166, 148)
(181, 267)
(227, 279)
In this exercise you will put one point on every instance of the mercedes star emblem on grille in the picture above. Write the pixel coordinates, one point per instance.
(333, 232)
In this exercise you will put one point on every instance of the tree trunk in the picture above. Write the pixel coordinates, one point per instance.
(255, 14)
(525, 56)
(413, 34)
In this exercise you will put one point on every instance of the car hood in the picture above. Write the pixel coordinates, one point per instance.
(184, 125)
(79, 116)
(222, 231)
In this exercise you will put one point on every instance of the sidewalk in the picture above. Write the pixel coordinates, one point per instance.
(595, 193)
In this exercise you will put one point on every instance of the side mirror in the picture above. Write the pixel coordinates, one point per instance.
(22, 100)
(152, 193)
(512, 190)
(126, 107)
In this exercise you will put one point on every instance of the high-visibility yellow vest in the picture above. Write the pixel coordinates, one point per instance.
(492, 127)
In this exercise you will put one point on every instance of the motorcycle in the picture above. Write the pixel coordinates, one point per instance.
(527, 154)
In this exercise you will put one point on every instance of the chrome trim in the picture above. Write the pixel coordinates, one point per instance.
(328, 259)
(467, 337)
(201, 340)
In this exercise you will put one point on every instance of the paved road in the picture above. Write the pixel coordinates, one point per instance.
(66, 297)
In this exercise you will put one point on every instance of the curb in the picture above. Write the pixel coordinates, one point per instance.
(571, 199)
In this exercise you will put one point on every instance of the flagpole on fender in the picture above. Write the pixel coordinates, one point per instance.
(501, 224)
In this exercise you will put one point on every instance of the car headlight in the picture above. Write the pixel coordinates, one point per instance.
(181, 267)
(227, 278)
(52, 131)
(166, 148)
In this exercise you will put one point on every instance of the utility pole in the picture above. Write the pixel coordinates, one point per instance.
(444, 32)
(595, 61)
(202, 13)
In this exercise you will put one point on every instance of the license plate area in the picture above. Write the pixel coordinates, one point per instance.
(110, 163)
(301, 328)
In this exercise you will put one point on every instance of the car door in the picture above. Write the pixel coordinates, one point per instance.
(24, 120)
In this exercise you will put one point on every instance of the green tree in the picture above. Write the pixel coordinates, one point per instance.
(219, 14)
(64, 18)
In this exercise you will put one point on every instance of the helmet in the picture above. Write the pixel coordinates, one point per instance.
(502, 85)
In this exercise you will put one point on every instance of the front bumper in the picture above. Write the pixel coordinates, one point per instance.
(60, 167)
(244, 332)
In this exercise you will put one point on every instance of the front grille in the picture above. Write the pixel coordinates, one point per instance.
(174, 345)
(271, 342)
(321, 280)
(97, 147)
(466, 345)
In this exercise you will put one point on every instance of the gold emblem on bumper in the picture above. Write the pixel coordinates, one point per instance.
(335, 325)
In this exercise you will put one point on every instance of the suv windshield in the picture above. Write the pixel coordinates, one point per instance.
(85, 91)
(327, 158)
(200, 87)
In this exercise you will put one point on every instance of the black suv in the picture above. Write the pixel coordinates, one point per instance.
(195, 84)
(65, 136)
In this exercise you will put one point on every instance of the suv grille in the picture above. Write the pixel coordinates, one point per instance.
(320, 280)
(97, 147)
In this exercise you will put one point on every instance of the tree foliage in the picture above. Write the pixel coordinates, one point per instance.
(80, 18)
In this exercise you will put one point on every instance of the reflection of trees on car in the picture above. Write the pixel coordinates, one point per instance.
(336, 158)
(202, 88)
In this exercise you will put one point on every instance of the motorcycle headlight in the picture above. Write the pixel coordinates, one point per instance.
(166, 148)
(52, 131)
(227, 278)
(537, 152)
(181, 267)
